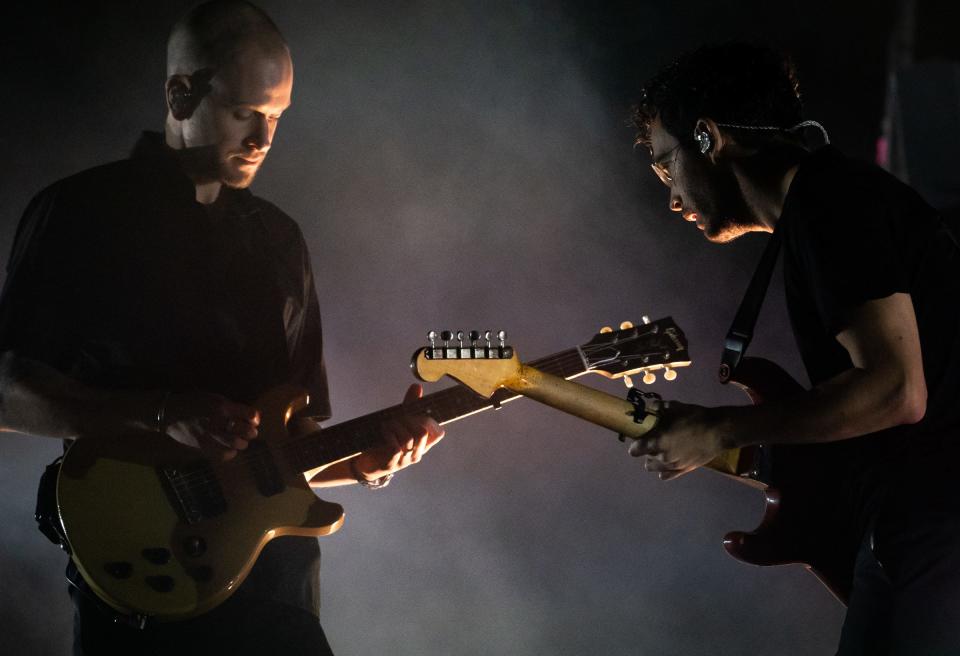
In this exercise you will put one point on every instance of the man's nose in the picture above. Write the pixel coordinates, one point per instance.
(261, 135)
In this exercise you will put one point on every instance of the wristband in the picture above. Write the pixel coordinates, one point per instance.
(375, 484)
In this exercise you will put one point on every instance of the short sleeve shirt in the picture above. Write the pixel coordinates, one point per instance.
(121, 280)
(853, 233)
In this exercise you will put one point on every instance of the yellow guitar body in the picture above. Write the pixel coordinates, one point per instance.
(138, 544)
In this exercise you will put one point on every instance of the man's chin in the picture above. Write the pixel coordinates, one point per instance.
(721, 237)
(237, 179)
(723, 233)
(237, 184)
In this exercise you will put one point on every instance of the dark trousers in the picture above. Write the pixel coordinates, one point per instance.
(906, 590)
(232, 628)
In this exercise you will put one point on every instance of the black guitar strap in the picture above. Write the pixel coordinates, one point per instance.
(741, 331)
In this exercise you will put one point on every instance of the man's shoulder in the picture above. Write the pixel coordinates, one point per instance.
(834, 171)
(92, 182)
(835, 188)
(829, 173)
(57, 206)
(269, 211)
(280, 225)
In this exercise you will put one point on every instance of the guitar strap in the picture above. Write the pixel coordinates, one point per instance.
(47, 514)
(741, 331)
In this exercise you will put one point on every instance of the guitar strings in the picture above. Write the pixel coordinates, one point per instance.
(556, 364)
(228, 470)
(361, 426)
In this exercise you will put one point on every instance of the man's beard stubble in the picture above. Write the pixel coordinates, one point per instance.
(727, 212)
(231, 176)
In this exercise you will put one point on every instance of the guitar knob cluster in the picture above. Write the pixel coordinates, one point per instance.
(156, 555)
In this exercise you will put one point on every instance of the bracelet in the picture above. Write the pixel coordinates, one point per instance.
(375, 484)
(161, 412)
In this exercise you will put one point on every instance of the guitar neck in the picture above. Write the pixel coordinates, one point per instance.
(446, 406)
(615, 413)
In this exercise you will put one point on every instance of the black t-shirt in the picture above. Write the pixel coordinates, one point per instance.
(853, 233)
(121, 280)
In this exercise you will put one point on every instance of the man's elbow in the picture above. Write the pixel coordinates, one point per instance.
(912, 402)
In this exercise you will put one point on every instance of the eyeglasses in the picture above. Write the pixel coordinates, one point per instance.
(662, 167)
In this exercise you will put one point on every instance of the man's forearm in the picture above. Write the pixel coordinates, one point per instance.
(853, 403)
(36, 399)
(335, 475)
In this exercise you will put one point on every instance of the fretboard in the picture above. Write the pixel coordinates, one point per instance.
(446, 406)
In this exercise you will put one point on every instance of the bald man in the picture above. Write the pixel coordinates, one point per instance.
(158, 293)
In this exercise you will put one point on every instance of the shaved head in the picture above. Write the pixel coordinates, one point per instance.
(211, 34)
(229, 78)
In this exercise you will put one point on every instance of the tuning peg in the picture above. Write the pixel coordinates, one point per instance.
(475, 350)
(502, 336)
(446, 336)
(432, 338)
(669, 374)
(606, 329)
(460, 337)
(649, 378)
(645, 319)
(486, 336)
(625, 325)
(628, 381)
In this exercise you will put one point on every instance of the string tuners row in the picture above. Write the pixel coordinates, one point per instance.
(468, 346)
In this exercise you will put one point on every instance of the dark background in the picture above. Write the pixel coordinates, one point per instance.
(468, 165)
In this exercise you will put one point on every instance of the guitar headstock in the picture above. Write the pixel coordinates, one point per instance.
(483, 365)
(646, 348)
(486, 364)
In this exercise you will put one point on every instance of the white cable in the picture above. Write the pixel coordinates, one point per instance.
(798, 126)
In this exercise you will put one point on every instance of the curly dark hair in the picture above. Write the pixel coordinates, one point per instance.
(738, 83)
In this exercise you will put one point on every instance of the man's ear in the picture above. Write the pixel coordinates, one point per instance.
(710, 141)
(181, 99)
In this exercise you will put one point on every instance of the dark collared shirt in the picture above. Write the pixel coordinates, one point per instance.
(121, 280)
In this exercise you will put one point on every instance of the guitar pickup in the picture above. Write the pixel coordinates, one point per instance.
(194, 491)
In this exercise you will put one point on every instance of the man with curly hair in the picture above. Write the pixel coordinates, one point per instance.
(872, 275)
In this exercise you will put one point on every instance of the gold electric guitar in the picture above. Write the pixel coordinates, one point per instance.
(157, 531)
(801, 524)
(633, 416)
